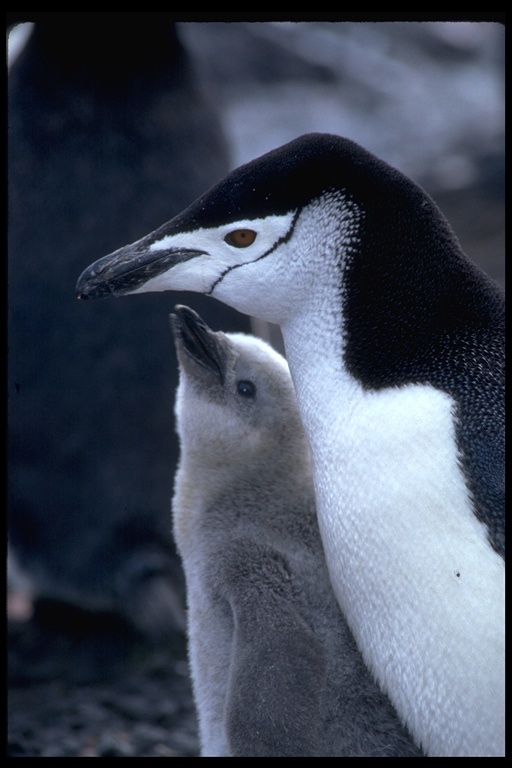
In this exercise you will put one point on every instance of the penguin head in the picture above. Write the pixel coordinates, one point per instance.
(253, 240)
(235, 401)
(318, 232)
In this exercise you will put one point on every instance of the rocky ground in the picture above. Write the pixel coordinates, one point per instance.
(87, 686)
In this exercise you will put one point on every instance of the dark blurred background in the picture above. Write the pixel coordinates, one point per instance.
(116, 121)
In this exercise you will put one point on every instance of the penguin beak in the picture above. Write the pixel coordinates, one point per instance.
(128, 268)
(196, 341)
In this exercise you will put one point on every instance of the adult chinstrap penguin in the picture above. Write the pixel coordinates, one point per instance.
(395, 343)
(275, 668)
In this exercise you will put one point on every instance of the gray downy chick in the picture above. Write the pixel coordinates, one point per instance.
(274, 666)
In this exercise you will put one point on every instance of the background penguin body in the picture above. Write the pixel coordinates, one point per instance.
(275, 668)
(105, 113)
(395, 344)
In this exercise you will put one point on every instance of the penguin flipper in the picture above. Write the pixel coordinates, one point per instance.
(278, 667)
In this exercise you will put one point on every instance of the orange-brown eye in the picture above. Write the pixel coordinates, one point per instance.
(240, 238)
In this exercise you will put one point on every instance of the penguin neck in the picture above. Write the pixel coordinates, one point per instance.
(314, 341)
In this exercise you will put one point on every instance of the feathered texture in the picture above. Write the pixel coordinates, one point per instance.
(275, 668)
(395, 341)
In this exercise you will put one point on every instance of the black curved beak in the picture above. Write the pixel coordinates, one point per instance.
(128, 268)
(193, 338)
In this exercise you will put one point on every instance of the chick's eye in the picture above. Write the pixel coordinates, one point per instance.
(246, 389)
(240, 238)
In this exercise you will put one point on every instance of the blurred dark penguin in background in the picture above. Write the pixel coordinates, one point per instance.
(110, 132)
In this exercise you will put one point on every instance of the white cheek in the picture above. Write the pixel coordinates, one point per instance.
(203, 274)
(265, 288)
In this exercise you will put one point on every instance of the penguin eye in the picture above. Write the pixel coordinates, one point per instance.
(246, 389)
(240, 238)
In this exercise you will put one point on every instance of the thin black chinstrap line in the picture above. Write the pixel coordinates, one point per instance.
(279, 242)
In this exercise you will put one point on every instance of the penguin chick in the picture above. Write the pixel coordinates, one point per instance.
(275, 668)
(395, 341)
